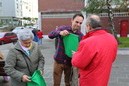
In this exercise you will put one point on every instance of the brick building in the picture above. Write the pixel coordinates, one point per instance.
(121, 21)
(54, 13)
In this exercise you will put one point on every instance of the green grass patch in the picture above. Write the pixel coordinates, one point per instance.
(123, 42)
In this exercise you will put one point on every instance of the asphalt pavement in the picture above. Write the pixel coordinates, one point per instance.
(119, 75)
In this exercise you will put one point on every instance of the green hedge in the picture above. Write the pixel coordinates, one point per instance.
(123, 42)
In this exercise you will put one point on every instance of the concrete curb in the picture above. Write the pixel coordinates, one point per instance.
(123, 51)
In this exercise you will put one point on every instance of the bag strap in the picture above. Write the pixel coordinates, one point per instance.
(25, 61)
(27, 64)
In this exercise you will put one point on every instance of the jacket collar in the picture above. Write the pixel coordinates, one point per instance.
(95, 32)
(18, 46)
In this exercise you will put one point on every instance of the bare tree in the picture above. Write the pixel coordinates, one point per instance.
(111, 16)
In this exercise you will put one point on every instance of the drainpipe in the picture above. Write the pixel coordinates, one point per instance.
(39, 21)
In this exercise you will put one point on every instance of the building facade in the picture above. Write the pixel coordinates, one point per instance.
(53, 13)
(121, 22)
(13, 11)
(59, 12)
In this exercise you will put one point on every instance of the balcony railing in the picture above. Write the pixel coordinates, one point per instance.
(118, 14)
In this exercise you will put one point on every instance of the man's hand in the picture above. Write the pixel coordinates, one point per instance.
(25, 78)
(64, 33)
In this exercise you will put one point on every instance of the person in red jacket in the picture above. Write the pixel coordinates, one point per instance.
(95, 55)
(40, 36)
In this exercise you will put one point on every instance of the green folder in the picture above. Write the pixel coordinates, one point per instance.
(37, 79)
(71, 42)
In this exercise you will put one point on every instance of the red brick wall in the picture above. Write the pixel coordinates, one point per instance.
(60, 5)
(117, 22)
(64, 6)
(57, 6)
(50, 24)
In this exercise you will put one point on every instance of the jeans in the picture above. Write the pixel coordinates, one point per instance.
(57, 74)
(40, 41)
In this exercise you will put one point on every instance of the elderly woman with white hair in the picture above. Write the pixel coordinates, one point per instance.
(23, 59)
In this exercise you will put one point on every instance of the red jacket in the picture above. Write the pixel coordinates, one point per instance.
(40, 34)
(94, 58)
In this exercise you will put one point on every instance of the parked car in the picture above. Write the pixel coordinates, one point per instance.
(8, 37)
(17, 29)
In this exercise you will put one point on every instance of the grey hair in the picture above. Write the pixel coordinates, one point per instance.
(94, 21)
(25, 34)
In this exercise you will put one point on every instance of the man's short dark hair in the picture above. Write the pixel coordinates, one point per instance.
(78, 14)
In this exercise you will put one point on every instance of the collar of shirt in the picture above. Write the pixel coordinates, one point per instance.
(24, 48)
